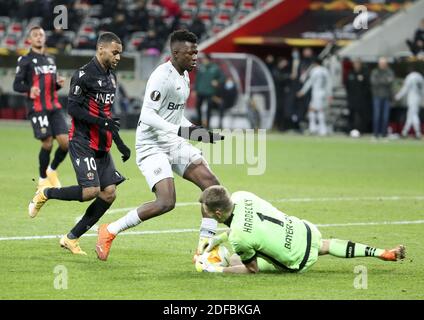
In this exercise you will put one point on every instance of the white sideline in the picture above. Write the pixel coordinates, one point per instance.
(378, 198)
(129, 233)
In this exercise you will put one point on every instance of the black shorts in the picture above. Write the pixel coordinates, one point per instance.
(48, 123)
(93, 168)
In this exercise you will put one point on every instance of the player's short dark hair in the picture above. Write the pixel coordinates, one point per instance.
(108, 37)
(33, 28)
(216, 197)
(183, 35)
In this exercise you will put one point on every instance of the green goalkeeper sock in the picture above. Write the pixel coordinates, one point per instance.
(348, 249)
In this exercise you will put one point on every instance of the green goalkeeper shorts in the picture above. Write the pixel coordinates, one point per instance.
(267, 266)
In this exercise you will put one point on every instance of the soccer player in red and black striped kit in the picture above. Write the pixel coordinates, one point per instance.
(36, 75)
(90, 100)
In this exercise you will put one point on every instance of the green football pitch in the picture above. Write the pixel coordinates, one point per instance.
(352, 189)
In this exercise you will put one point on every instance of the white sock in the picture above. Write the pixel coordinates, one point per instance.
(131, 219)
(42, 179)
(49, 168)
(208, 228)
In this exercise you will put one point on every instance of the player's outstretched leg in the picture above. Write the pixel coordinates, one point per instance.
(395, 254)
(349, 249)
(104, 242)
(37, 202)
(72, 245)
(165, 201)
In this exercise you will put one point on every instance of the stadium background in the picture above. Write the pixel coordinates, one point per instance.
(353, 188)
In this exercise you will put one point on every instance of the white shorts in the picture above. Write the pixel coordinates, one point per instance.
(159, 165)
(318, 101)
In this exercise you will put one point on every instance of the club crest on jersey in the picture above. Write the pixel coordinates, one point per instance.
(112, 79)
(50, 60)
(99, 82)
(34, 60)
(155, 95)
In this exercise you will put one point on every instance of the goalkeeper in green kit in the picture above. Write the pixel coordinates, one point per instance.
(265, 239)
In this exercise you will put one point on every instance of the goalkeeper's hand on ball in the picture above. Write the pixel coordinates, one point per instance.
(214, 241)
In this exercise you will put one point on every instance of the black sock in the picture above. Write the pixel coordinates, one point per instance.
(44, 159)
(59, 156)
(93, 213)
(67, 193)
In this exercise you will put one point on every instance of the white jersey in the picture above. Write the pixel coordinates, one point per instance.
(166, 92)
(413, 87)
(320, 81)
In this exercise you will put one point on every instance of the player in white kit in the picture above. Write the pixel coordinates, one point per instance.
(161, 144)
(320, 82)
(413, 86)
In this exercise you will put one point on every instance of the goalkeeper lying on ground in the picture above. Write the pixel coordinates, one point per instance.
(265, 239)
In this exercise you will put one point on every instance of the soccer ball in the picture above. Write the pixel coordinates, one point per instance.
(218, 256)
(355, 133)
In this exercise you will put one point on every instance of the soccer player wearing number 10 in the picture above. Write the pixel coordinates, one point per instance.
(266, 239)
(161, 144)
(90, 100)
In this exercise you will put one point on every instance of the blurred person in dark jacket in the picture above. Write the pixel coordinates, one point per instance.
(382, 79)
(358, 97)
(208, 79)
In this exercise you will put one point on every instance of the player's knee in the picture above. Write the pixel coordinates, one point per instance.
(90, 193)
(108, 195)
(47, 144)
(166, 205)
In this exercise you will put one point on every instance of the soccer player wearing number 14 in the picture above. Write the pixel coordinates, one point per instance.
(36, 76)
(90, 100)
(266, 239)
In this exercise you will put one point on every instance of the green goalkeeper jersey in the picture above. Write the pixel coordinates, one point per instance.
(260, 230)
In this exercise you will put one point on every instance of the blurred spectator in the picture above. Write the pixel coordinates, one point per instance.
(417, 44)
(303, 68)
(119, 26)
(197, 27)
(151, 44)
(413, 86)
(122, 103)
(319, 81)
(3, 99)
(358, 97)
(59, 41)
(172, 9)
(208, 79)
(225, 98)
(270, 62)
(8, 8)
(138, 17)
(381, 85)
(281, 75)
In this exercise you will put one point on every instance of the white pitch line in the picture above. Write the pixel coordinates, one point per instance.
(378, 198)
(129, 233)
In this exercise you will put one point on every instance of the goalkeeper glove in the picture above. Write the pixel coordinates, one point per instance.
(204, 267)
(214, 241)
(198, 133)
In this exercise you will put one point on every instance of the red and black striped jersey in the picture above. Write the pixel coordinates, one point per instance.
(38, 70)
(93, 89)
